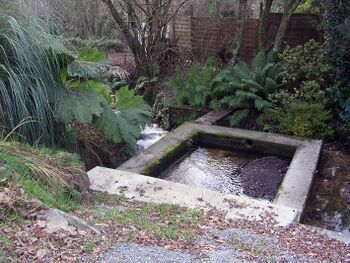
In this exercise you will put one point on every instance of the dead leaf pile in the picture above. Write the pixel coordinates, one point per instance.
(13, 199)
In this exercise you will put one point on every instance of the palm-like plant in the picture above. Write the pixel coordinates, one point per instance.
(245, 88)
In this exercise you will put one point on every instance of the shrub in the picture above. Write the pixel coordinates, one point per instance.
(194, 88)
(337, 41)
(298, 119)
(306, 63)
(246, 88)
(309, 91)
(343, 98)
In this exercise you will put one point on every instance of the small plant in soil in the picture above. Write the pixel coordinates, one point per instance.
(89, 246)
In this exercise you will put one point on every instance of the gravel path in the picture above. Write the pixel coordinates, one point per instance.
(219, 246)
(127, 253)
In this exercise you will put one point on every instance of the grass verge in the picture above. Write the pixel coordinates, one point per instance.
(51, 176)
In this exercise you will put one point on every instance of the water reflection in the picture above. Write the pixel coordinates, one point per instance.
(232, 172)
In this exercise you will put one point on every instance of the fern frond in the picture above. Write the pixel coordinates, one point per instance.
(242, 71)
(252, 86)
(261, 104)
(272, 57)
(265, 72)
(238, 116)
(259, 62)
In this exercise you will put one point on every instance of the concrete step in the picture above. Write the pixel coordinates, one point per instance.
(148, 189)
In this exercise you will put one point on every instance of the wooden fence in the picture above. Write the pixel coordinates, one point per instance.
(209, 35)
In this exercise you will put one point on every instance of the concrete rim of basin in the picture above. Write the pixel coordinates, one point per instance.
(297, 182)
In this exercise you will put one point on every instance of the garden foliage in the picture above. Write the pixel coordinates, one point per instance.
(245, 88)
(242, 87)
(301, 108)
(291, 91)
(101, 44)
(306, 63)
(298, 119)
(337, 42)
(194, 87)
(42, 83)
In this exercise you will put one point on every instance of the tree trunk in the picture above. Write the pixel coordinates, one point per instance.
(282, 29)
(264, 23)
(236, 46)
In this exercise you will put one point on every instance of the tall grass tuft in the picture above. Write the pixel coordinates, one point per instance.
(28, 77)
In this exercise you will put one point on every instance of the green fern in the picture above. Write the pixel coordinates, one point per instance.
(246, 87)
(194, 88)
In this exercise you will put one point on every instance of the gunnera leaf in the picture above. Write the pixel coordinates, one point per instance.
(124, 124)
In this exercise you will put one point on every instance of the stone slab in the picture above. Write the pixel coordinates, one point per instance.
(213, 117)
(148, 189)
(59, 220)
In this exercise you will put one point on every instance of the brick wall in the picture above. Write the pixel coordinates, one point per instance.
(208, 35)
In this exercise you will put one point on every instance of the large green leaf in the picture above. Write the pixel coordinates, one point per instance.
(125, 124)
(91, 55)
(83, 70)
(82, 106)
(100, 88)
(126, 99)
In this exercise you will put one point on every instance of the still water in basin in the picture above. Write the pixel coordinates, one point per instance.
(233, 172)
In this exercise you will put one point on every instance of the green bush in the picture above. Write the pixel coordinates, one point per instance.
(343, 98)
(309, 91)
(194, 87)
(306, 64)
(246, 88)
(298, 119)
(337, 41)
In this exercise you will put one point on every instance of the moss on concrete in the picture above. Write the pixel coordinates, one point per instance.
(170, 155)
